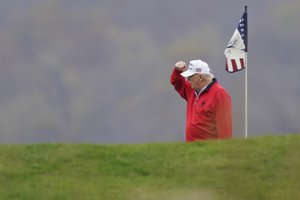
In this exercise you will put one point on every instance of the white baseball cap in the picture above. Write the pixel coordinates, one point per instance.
(196, 66)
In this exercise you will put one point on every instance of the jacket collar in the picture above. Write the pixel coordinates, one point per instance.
(214, 80)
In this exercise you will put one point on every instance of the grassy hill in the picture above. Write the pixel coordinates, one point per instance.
(257, 169)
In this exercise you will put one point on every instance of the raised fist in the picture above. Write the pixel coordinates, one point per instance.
(180, 65)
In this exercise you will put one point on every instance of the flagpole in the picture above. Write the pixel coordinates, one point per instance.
(246, 82)
(236, 56)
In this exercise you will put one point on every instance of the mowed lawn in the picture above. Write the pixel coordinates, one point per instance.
(239, 169)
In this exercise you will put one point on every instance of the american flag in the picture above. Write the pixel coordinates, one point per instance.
(236, 51)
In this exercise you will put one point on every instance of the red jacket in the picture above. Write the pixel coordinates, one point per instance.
(209, 115)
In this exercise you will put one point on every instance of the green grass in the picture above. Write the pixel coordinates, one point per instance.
(257, 169)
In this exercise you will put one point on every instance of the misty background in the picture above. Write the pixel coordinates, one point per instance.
(98, 70)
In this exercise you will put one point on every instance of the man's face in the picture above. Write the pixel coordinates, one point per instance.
(195, 81)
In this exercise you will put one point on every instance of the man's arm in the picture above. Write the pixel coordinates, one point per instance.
(224, 115)
(179, 81)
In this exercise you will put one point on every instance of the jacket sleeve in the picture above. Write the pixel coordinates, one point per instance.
(223, 115)
(179, 83)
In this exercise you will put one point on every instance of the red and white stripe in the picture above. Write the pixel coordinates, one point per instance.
(234, 65)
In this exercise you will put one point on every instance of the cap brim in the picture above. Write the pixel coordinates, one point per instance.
(187, 73)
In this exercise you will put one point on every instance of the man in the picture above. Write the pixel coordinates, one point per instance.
(208, 114)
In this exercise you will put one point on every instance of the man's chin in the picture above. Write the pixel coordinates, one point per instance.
(195, 88)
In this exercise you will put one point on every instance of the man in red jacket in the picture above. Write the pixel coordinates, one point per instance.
(208, 113)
